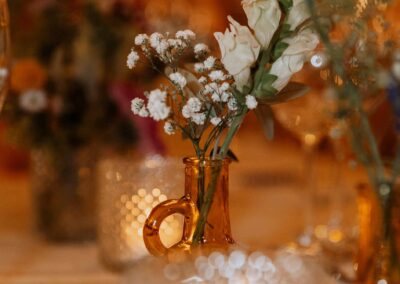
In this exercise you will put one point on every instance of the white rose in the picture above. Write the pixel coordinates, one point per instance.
(293, 58)
(264, 17)
(298, 14)
(239, 51)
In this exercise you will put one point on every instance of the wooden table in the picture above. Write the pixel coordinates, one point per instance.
(266, 211)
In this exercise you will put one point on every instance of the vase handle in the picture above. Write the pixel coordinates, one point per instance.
(151, 229)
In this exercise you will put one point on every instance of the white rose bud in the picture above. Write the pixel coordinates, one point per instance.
(263, 17)
(239, 51)
(293, 58)
(298, 14)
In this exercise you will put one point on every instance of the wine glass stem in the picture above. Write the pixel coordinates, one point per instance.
(309, 187)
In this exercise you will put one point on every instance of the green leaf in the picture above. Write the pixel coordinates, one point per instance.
(268, 79)
(265, 95)
(285, 31)
(287, 4)
(229, 154)
(246, 89)
(292, 91)
(264, 89)
(239, 96)
(263, 59)
(265, 116)
(280, 47)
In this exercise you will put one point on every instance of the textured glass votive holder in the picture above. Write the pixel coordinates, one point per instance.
(128, 192)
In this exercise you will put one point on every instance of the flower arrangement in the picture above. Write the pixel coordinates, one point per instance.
(207, 100)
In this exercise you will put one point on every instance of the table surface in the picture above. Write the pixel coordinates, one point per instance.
(266, 204)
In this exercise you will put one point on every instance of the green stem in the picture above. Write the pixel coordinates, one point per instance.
(201, 183)
(212, 187)
(205, 208)
(237, 122)
(373, 145)
(387, 255)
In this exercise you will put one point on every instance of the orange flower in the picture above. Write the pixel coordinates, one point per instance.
(28, 74)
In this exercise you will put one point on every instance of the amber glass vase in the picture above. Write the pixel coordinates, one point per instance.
(204, 206)
(378, 259)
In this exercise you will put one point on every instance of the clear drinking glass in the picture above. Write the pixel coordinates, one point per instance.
(5, 52)
(307, 119)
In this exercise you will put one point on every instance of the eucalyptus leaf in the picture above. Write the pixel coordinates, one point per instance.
(265, 116)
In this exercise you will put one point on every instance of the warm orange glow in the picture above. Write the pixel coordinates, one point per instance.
(28, 74)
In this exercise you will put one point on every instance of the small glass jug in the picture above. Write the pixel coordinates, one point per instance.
(206, 183)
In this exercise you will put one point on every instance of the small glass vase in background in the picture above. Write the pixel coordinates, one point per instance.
(128, 191)
(206, 187)
(378, 259)
(64, 192)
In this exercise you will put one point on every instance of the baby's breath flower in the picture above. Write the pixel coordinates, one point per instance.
(162, 47)
(137, 105)
(215, 97)
(217, 75)
(203, 80)
(225, 96)
(215, 121)
(209, 63)
(144, 112)
(156, 105)
(155, 39)
(133, 58)
(199, 67)
(201, 49)
(186, 35)
(224, 87)
(232, 104)
(141, 39)
(251, 102)
(157, 95)
(186, 112)
(199, 118)
(211, 88)
(194, 104)
(178, 79)
(169, 128)
(176, 43)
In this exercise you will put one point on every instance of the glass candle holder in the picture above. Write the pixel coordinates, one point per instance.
(64, 191)
(128, 191)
